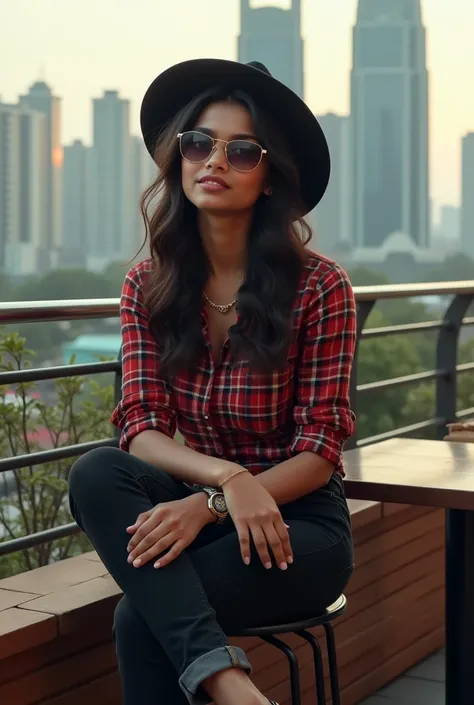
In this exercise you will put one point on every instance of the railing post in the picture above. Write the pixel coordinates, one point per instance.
(363, 310)
(446, 360)
(118, 388)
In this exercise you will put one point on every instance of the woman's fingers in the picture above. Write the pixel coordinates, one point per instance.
(261, 545)
(270, 537)
(275, 544)
(172, 554)
(282, 530)
(244, 540)
(149, 532)
(149, 548)
(141, 518)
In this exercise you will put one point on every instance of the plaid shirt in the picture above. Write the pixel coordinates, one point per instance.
(225, 411)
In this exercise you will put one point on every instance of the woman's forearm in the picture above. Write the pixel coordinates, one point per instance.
(179, 461)
(296, 477)
(286, 482)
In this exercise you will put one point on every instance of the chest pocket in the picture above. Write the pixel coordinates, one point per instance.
(260, 403)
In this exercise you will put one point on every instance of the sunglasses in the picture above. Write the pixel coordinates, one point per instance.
(242, 155)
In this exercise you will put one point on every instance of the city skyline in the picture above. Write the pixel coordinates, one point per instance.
(79, 65)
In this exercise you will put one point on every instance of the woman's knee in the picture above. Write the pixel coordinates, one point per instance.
(91, 472)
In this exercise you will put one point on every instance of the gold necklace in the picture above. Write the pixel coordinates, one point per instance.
(221, 308)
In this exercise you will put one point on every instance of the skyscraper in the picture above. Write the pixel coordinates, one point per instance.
(23, 206)
(40, 98)
(449, 223)
(389, 112)
(76, 204)
(467, 207)
(332, 216)
(111, 237)
(272, 36)
(144, 172)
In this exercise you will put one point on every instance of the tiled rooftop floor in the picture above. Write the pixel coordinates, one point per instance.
(422, 685)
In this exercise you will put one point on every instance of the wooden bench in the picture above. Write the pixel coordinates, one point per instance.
(55, 621)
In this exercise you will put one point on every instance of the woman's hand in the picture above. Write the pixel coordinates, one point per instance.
(255, 512)
(172, 525)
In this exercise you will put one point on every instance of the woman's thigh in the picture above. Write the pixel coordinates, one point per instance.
(245, 596)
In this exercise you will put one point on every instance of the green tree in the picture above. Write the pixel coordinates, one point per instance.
(420, 402)
(46, 338)
(398, 312)
(115, 274)
(66, 284)
(361, 276)
(383, 358)
(37, 499)
(457, 267)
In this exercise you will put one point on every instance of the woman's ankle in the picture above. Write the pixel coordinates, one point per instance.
(233, 687)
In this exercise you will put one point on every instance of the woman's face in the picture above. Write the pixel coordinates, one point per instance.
(213, 184)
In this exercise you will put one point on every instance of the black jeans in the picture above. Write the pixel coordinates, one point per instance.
(170, 627)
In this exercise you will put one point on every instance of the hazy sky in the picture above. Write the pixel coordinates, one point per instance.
(83, 46)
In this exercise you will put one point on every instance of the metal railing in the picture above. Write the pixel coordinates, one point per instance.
(445, 374)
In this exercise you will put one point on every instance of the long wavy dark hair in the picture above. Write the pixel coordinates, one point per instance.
(275, 258)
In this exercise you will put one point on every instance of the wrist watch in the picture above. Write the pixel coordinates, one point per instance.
(216, 502)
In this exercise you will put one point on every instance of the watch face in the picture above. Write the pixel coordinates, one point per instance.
(219, 503)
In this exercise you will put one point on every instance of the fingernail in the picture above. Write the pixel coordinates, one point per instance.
(283, 566)
(287, 526)
(157, 565)
(268, 565)
(247, 560)
(137, 562)
(129, 548)
(290, 559)
(130, 559)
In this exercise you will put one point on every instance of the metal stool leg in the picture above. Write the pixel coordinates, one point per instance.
(332, 658)
(318, 665)
(293, 664)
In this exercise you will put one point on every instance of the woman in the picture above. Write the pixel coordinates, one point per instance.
(236, 334)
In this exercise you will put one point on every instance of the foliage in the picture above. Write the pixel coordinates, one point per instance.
(420, 401)
(77, 411)
(457, 267)
(46, 338)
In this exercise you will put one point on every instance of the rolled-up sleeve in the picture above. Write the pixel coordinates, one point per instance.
(322, 413)
(146, 402)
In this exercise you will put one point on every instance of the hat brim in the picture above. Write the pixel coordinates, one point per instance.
(181, 83)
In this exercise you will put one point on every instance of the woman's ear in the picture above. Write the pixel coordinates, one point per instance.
(268, 190)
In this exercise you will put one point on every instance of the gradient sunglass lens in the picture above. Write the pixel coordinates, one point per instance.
(196, 146)
(244, 155)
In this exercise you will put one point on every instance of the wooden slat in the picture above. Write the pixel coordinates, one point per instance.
(102, 691)
(21, 629)
(35, 659)
(61, 676)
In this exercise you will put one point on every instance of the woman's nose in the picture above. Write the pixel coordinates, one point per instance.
(217, 157)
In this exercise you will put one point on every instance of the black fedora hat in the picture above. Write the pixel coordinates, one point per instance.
(181, 83)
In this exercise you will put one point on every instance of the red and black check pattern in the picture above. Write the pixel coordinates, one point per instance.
(223, 410)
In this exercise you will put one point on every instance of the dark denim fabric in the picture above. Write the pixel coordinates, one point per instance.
(170, 627)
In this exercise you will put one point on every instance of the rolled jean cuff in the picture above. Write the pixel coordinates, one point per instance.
(207, 665)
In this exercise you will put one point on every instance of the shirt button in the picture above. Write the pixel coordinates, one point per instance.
(209, 428)
(206, 416)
